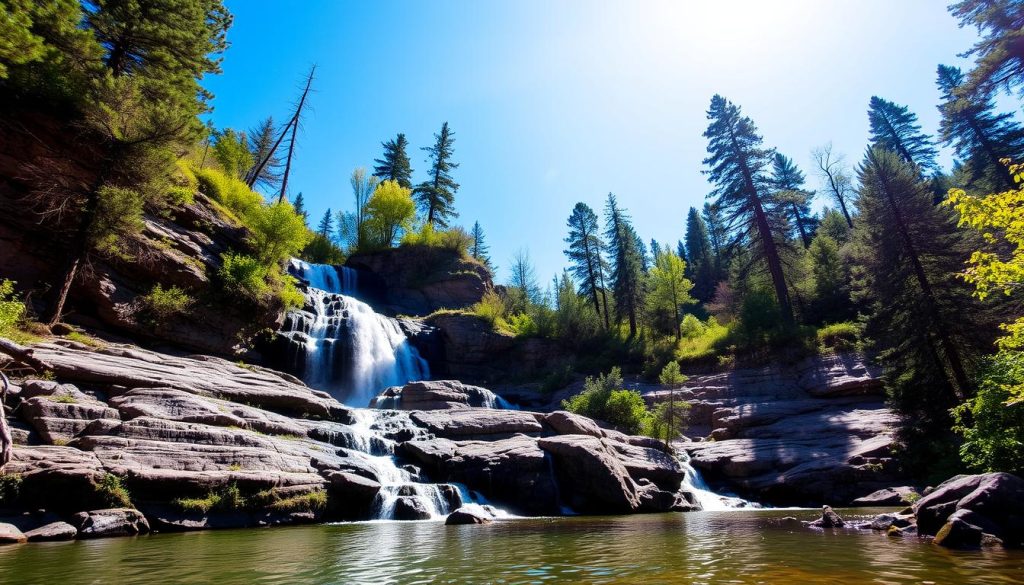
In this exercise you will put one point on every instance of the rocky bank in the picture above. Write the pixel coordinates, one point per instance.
(119, 440)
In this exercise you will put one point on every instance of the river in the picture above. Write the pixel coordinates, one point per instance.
(751, 546)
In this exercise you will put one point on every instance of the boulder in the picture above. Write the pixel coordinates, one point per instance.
(896, 496)
(52, 532)
(9, 534)
(437, 395)
(410, 508)
(829, 519)
(470, 515)
(958, 533)
(473, 423)
(110, 522)
(654, 465)
(591, 476)
(352, 494)
(995, 499)
(568, 423)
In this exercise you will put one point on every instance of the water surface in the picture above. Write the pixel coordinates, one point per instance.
(694, 548)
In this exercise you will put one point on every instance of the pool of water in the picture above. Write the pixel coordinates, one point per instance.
(694, 548)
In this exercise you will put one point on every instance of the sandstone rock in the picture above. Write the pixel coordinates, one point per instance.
(839, 375)
(469, 515)
(9, 534)
(354, 493)
(995, 500)
(58, 422)
(897, 496)
(57, 478)
(592, 477)
(650, 464)
(437, 395)
(957, 533)
(52, 532)
(171, 404)
(568, 423)
(474, 423)
(110, 522)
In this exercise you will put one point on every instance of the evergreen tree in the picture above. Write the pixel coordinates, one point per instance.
(479, 249)
(980, 137)
(395, 165)
(894, 127)
(788, 181)
(588, 267)
(326, 226)
(681, 251)
(523, 290)
(300, 207)
(436, 196)
(999, 53)
(261, 146)
(626, 264)
(718, 236)
(655, 250)
(736, 165)
(701, 258)
(834, 225)
(645, 258)
(908, 253)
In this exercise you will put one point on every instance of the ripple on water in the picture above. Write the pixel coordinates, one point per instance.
(695, 548)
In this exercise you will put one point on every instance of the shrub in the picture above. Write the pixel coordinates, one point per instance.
(626, 410)
(230, 192)
(244, 275)
(228, 498)
(162, 303)
(113, 492)
(992, 423)
(596, 391)
(11, 309)
(308, 502)
(668, 421)
(457, 239)
(522, 325)
(491, 308)
(691, 327)
(118, 217)
(321, 250)
(604, 398)
(839, 336)
(277, 232)
(10, 488)
(707, 344)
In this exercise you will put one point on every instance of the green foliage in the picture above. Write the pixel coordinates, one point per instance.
(491, 308)
(668, 289)
(436, 196)
(840, 336)
(711, 341)
(627, 264)
(389, 213)
(278, 233)
(626, 410)
(308, 502)
(895, 128)
(12, 309)
(604, 398)
(244, 275)
(992, 422)
(395, 165)
(113, 492)
(118, 217)
(584, 252)
(670, 375)
(668, 421)
(229, 498)
(454, 238)
(321, 250)
(691, 327)
(79, 337)
(163, 303)
(522, 325)
(231, 149)
(229, 191)
(595, 394)
(10, 488)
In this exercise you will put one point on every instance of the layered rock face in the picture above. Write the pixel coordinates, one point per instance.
(817, 432)
(124, 440)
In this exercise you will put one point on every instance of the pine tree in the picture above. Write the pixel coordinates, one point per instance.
(894, 127)
(436, 196)
(626, 264)
(523, 290)
(736, 165)
(395, 165)
(655, 250)
(701, 258)
(681, 251)
(261, 146)
(584, 252)
(326, 226)
(788, 181)
(908, 253)
(300, 207)
(293, 124)
(980, 137)
(999, 53)
(479, 249)
(718, 235)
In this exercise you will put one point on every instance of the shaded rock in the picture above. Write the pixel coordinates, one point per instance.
(410, 508)
(9, 534)
(897, 496)
(995, 498)
(474, 423)
(353, 495)
(957, 533)
(839, 375)
(568, 423)
(57, 478)
(591, 476)
(52, 532)
(829, 519)
(110, 522)
(470, 515)
(651, 464)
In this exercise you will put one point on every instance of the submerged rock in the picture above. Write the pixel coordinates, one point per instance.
(896, 496)
(470, 515)
(995, 502)
(829, 519)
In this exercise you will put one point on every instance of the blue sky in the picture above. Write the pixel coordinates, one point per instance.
(558, 102)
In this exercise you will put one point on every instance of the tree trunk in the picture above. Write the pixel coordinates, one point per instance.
(79, 247)
(291, 144)
(6, 441)
(800, 226)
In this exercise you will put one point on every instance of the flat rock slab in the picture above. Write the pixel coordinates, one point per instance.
(477, 422)
(52, 532)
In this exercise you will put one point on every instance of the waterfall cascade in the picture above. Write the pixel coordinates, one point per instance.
(341, 345)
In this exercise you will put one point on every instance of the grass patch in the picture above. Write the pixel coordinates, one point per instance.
(703, 342)
(842, 336)
(308, 502)
(63, 398)
(235, 467)
(227, 498)
(84, 339)
(113, 492)
(10, 488)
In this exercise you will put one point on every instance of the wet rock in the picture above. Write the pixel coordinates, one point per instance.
(9, 534)
(591, 475)
(467, 515)
(957, 533)
(110, 522)
(829, 519)
(52, 532)
(651, 464)
(436, 395)
(411, 508)
(896, 496)
(473, 423)
(351, 486)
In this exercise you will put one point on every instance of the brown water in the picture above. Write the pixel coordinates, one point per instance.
(695, 548)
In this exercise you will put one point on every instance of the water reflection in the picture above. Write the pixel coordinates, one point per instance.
(697, 548)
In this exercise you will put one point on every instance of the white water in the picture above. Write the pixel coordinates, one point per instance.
(708, 500)
(349, 349)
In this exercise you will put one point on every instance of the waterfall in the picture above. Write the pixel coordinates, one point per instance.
(342, 345)
(708, 500)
